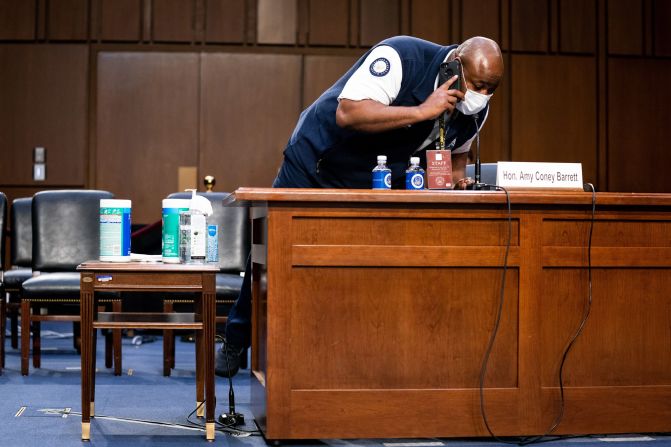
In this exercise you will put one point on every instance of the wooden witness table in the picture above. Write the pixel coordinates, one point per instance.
(149, 277)
(372, 312)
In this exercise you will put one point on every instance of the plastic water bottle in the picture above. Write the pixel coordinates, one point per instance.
(414, 175)
(381, 174)
(212, 243)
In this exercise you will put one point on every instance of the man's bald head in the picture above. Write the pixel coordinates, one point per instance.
(482, 62)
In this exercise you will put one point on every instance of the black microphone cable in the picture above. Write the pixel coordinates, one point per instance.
(232, 418)
(223, 428)
(478, 165)
(497, 322)
(586, 312)
(191, 425)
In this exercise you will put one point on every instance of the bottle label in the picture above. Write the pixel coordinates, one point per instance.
(170, 232)
(114, 231)
(198, 236)
(381, 180)
(414, 180)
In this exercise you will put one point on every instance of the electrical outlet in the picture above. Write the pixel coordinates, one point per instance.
(39, 155)
(39, 172)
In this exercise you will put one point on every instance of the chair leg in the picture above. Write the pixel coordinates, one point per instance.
(77, 337)
(168, 343)
(172, 350)
(3, 322)
(14, 326)
(107, 333)
(116, 341)
(25, 336)
(167, 336)
(108, 349)
(37, 342)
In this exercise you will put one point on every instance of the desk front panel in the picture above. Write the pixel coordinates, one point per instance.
(373, 320)
(617, 378)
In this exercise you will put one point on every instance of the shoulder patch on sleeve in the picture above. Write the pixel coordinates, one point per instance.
(380, 67)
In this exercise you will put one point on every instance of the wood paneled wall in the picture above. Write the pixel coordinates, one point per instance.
(43, 102)
(146, 125)
(124, 92)
(243, 130)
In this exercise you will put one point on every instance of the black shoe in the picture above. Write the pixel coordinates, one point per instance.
(227, 360)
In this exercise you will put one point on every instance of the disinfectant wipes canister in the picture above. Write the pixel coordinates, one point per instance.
(170, 233)
(115, 230)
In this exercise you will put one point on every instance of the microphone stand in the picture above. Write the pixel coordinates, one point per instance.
(232, 418)
(478, 185)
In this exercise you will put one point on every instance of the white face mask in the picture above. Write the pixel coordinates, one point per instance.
(473, 102)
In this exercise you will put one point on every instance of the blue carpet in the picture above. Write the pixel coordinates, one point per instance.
(143, 393)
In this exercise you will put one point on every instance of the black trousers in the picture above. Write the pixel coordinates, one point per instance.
(239, 323)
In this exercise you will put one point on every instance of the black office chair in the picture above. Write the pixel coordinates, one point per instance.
(3, 305)
(66, 232)
(21, 255)
(234, 246)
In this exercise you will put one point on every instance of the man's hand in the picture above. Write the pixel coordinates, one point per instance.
(443, 99)
(464, 183)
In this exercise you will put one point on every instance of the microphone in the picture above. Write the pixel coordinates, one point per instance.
(478, 165)
(478, 185)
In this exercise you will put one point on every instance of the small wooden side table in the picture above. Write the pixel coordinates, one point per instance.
(149, 277)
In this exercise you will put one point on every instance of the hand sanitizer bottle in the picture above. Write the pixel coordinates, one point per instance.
(193, 230)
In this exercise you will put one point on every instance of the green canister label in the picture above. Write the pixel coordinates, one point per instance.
(170, 236)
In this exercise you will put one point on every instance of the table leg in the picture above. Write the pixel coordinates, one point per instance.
(200, 361)
(86, 321)
(37, 348)
(94, 356)
(209, 329)
(3, 322)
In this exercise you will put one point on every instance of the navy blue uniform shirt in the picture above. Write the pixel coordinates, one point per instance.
(322, 154)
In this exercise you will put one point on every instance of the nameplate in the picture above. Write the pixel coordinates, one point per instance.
(526, 175)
